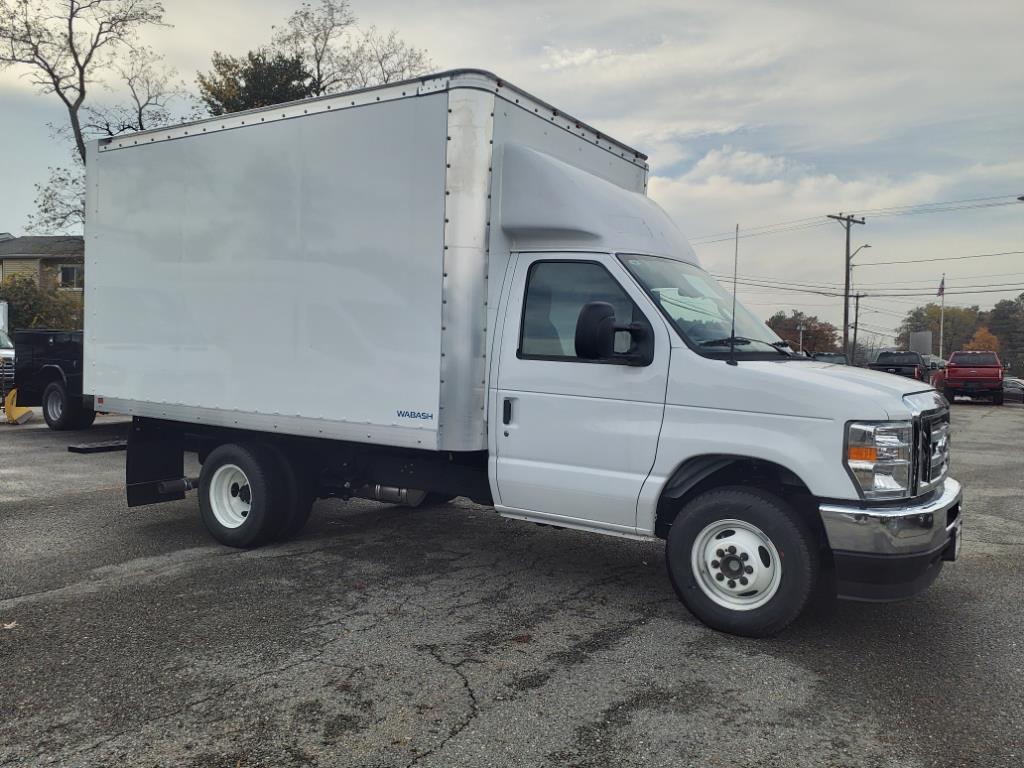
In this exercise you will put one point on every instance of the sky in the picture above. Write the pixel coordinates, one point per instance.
(751, 113)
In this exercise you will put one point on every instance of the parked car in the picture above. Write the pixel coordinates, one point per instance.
(1013, 390)
(48, 373)
(974, 374)
(908, 364)
(934, 362)
(830, 357)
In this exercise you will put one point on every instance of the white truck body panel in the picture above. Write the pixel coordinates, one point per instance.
(245, 271)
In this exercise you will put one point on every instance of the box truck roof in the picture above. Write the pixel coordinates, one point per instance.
(455, 78)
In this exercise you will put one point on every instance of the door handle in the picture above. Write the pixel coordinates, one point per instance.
(506, 412)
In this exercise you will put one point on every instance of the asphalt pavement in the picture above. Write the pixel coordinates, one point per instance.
(385, 636)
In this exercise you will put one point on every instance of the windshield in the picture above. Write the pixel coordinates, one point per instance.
(974, 358)
(700, 308)
(899, 358)
(5, 341)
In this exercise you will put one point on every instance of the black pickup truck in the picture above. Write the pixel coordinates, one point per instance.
(48, 373)
(909, 364)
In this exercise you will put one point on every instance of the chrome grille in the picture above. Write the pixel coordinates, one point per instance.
(7, 368)
(933, 451)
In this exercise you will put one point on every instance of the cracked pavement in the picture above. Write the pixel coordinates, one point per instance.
(448, 636)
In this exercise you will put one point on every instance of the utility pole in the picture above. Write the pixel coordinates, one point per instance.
(856, 321)
(801, 328)
(847, 222)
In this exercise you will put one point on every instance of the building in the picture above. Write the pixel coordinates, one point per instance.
(52, 261)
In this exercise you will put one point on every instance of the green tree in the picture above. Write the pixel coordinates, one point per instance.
(258, 79)
(1006, 321)
(960, 325)
(819, 336)
(31, 306)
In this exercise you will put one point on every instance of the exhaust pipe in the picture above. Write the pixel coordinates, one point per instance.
(410, 497)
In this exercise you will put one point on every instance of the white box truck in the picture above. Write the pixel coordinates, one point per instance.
(448, 287)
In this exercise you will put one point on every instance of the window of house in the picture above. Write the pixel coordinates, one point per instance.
(71, 276)
(556, 291)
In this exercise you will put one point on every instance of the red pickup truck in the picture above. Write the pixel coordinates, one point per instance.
(977, 374)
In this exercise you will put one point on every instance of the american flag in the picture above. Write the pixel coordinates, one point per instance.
(942, 287)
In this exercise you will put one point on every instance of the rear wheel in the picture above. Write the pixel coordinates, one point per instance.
(241, 495)
(86, 417)
(59, 410)
(742, 561)
(299, 494)
(997, 398)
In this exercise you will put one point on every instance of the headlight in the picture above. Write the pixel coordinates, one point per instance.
(880, 458)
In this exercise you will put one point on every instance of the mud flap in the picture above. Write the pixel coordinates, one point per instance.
(156, 454)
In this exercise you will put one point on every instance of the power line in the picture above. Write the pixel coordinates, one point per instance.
(913, 209)
(940, 258)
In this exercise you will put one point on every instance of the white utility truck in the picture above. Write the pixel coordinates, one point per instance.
(447, 287)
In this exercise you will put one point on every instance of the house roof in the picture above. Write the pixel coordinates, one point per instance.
(41, 246)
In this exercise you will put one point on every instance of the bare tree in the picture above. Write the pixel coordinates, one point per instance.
(60, 201)
(313, 35)
(152, 88)
(65, 44)
(337, 56)
(375, 58)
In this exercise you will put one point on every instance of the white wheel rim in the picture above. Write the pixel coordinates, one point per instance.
(230, 496)
(55, 406)
(736, 565)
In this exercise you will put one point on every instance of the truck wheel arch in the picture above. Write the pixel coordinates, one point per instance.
(703, 473)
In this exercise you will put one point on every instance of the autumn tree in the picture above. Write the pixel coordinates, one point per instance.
(63, 46)
(818, 335)
(983, 340)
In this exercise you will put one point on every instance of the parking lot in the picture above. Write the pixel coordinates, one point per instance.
(385, 636)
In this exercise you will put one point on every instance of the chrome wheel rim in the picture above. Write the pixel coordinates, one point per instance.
(55, 405)
(230, 496)
(736, 565)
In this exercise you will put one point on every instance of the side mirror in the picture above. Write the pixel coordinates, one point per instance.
(595, 336)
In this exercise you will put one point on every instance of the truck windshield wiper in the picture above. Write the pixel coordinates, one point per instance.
(740, 340)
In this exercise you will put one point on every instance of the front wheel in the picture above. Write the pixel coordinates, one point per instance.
(742, 561)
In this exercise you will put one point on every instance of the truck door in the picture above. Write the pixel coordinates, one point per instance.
(574, 439)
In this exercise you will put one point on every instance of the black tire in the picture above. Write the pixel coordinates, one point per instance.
(86, 417)
(997, 398)
(797, 546)
(265, 495)
(299, 495)
(59, 410)
(949, 395)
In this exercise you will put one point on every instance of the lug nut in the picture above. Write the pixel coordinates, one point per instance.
(714, 563)
(743, 580)
(732, 550)
(720, 553)
(731, 583)
(744, 556)
(719, 576)
(749, 569)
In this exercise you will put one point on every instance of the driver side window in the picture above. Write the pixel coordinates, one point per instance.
(556, 291)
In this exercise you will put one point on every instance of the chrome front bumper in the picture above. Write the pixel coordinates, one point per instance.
(916, 527)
